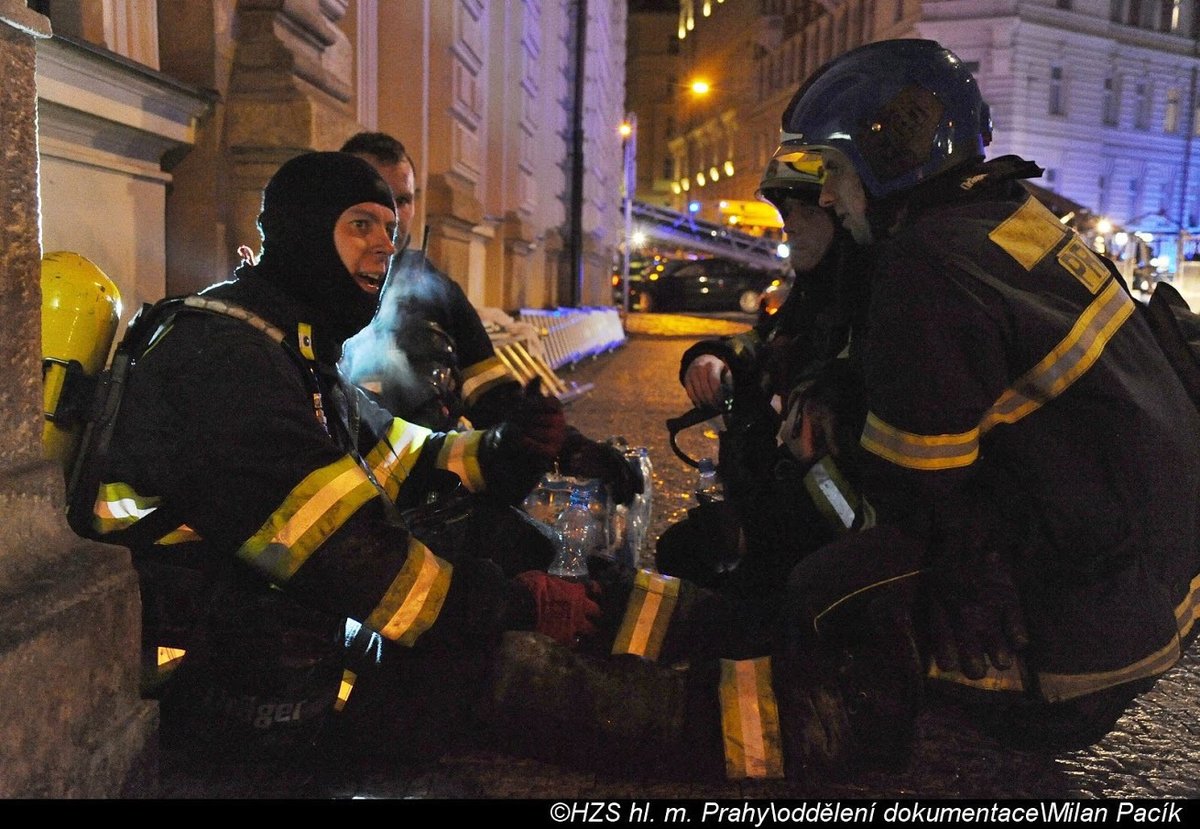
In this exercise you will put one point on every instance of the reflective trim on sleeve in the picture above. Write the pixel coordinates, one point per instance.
(835, 499)
(310, 514)
(393, 457)
(180, 535)
(345, 689)
(460, 455)
(414, 600)
(919, 451)
(750, 720)
(483, 376)
(119, 507)
(647, 615)
(1067, 361)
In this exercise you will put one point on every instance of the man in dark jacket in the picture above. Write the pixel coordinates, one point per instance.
(260, 496)
(427, 357)
(787, 489)
(1034, 462)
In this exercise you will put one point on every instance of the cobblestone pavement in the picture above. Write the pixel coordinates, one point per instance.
(1153, 752)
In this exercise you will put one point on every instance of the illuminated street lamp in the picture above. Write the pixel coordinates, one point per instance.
(700, 87)
(628, 132)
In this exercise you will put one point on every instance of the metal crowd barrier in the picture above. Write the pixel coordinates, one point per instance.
(573, 334)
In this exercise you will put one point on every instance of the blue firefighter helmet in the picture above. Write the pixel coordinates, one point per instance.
(900, 110)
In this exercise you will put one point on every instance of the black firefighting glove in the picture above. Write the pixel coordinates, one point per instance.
(582, 457)
(516, 453)
(973, 608)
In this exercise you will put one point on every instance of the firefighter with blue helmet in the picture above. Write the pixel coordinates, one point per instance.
(1045, 550)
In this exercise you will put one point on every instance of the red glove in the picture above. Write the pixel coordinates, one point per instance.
(539, 423)
(564, 609)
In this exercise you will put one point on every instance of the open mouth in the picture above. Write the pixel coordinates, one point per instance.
(369, 282)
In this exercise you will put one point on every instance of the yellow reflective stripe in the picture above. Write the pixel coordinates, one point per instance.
(119, 507)
(392, 459)
(482, 376)
(1009, 679)
(310, 513)
(414, 600)
(919, 451)
(750, 720)
(345, 689)
(180, 535)
(647, 615)
(460, 455)
(831, 493)
(1188, 611)
(1062, 687)
(842, 600)
(1029, 234)
(1067, 361)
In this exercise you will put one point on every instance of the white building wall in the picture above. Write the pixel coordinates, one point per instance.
(1124, 172)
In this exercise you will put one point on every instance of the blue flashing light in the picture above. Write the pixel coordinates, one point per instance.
(693, 207)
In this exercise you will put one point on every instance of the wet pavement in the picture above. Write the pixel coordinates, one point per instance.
(1153, 753)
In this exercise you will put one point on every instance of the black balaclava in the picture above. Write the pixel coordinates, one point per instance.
(300, 208)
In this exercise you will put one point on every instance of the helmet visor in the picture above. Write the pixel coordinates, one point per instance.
(793, 172)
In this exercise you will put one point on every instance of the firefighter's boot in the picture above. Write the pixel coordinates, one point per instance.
(620, 715)
(852, 705)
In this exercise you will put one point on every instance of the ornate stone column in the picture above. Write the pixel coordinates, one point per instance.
(71, 721)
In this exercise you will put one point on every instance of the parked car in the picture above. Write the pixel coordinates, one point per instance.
(700, 285)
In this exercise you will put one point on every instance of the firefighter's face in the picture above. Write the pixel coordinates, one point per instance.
(364, 237)
(809, 230)
(399, 177)
(843, 192)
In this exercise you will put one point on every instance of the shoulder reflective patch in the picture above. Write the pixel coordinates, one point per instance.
(414, 599)
(750, 720)
(1030, 233)
(914, 451)
(345, 689)
(1066, 362)
(119, 507)
(1077, 258)
(393, 457)
(310, 513)
(647, 615)
(460, 455)
(482, 376)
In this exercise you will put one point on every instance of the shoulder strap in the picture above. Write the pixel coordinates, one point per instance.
(147, 326)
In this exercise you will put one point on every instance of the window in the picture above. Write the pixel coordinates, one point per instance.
(1111, 112)
(1145, 102)
(668, 168)
(1056, 91)
(899, 11)
(1171, 115)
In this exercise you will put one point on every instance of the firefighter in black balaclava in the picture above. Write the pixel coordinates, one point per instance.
(260, 495)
